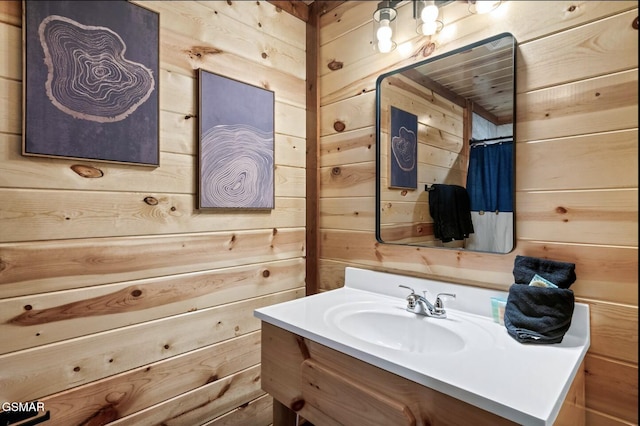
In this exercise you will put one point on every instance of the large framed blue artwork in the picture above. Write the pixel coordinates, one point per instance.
(403, 156)
(90, 83)
(236, 147)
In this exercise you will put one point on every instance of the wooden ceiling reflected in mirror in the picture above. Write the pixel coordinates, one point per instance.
(432, 119)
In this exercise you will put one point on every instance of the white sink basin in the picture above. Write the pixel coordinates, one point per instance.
(395, 328)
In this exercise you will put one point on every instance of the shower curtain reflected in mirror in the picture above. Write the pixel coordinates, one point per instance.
(490, 188)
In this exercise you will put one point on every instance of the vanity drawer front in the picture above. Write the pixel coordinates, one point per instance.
(348, 401)
(327, 387)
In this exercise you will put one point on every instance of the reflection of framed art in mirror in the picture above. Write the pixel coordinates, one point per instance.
(403, 150)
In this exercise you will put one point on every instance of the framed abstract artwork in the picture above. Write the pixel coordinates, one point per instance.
(236, 144)
(403, 158)
(90, 87)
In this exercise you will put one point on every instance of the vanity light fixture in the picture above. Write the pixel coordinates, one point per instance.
(481, 7)
(426, 14)
(384, 24)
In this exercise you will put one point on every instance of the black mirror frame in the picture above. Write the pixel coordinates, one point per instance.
(378, 127)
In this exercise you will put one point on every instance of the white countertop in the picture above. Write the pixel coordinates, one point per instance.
(524, 383)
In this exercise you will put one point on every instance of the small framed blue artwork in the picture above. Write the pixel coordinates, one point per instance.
(236, 144)
(403, 156)
(90, 84)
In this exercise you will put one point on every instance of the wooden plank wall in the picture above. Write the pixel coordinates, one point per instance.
(117, 310)
(577, 165)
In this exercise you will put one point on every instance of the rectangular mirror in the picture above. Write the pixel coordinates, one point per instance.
(445, 150)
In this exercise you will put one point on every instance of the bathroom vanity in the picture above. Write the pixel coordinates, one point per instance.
(356, 356)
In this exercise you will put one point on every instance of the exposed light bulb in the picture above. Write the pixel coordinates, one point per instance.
(429, 13)
(483, 6)
(384, 32)
(429, 28)
(385, 46)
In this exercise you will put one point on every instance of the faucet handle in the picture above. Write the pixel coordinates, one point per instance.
(439, 304)
(408, 288)
(412, 298)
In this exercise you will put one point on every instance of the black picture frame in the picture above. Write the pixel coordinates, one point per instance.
(90, 81)
(236, 144)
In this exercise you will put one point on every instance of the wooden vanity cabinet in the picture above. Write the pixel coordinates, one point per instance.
(328, 388)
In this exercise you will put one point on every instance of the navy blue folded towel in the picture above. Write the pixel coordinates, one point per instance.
(562, 274)
(538, 314)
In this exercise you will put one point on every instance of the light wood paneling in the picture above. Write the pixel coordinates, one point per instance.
(353, 114)
(31, 214)
(347, 213)
(184, 54)
(10, 97)
(10, 12)
(59, 366)
(600, 104)
(258, 412)
(616, 333)
(120, 301)
(215, 403)
(348, 147)
(590, 217)
(605, 44)
(55, 316)
(65, 264)
(11, 66)
(613, 387)
(611, 157)
(223, 26)
(348, 180)
(228, 370)
(172, 177)
(576, 165)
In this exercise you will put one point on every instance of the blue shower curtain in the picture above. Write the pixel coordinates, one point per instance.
(490, 177)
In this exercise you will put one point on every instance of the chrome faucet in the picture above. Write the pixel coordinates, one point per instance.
(421, 305)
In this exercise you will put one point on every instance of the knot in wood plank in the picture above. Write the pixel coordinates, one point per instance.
(103, 416)
(152, 201)
(335, 65)
(200, 51)
(297, 405)
(87, 171)
(428, 49)
(339, 126)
